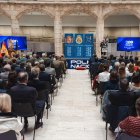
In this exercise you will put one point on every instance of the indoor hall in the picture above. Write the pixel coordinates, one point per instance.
(74, 114)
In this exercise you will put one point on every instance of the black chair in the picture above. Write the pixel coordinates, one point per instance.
(124, 136)
(9, 135)
(43, 95)
(53, 86)
(25, 110)
(115, 114)
(101, 88)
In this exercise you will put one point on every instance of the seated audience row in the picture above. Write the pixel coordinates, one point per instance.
(118, 83)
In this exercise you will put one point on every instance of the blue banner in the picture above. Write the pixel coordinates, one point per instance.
(78, 46)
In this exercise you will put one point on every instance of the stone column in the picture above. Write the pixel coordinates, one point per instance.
(99, 34)
(58, 33)
(15, 28)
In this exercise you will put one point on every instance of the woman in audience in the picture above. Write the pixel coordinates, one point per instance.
(137, 65)
(101, 68)
(113, 81)
(7, 120)
(135, 85)
(113, 84)
(130, 71)
(122, 73)
(131, 125)
(104, 76)
(116, 66)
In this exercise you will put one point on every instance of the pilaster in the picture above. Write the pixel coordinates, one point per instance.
(15, 28)
(58, 33)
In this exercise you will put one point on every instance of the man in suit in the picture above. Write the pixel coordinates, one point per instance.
(122, 97)
(43, 75)
(50, 70)
(23, 93)
(57, 64)
(42, 87)
(122, 102)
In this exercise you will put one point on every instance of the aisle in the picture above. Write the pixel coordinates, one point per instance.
(74, 115)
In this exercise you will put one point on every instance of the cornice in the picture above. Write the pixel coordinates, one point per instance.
(70, 2)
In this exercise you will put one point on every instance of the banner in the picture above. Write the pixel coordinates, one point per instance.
(74, 63)
(79, 46)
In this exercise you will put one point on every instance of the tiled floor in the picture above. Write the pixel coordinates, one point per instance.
(74, 115)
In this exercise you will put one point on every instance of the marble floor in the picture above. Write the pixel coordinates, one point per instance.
(74, 114)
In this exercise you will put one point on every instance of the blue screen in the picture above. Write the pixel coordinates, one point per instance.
(128, 44)
(18, 42)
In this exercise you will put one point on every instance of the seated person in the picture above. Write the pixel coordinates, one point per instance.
(40, 86)
(58, 67)
(135, 85)
(122, 72)
(12, 80)
(113, 84)
(131, 125)
(4, 75)
(123, 99)
(43, 75)
(50, 70)
(7, 120)
(130, 71)
(23, 93)
(104, 76)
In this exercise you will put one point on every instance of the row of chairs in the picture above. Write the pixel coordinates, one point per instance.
(26, 110)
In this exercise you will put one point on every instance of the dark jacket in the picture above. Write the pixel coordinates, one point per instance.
(23, 93)
(43, 76)
(121, 98)
(42, 88)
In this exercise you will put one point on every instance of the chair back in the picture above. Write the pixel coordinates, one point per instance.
(23, 109)
(42, 94)
(9, 135)
(103, 87)
(124, 136)
(115, 114)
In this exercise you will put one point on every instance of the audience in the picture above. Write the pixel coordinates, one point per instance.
(29, 79)
(122, 90)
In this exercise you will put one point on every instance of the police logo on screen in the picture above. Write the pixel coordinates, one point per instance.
(129, 44)
(79, 63)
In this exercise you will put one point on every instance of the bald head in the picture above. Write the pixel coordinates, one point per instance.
(23, 77)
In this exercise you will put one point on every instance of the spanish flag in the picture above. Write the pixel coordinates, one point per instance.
(4, 49)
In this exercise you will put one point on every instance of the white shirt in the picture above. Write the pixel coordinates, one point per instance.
(7, 124)
(103, 76)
